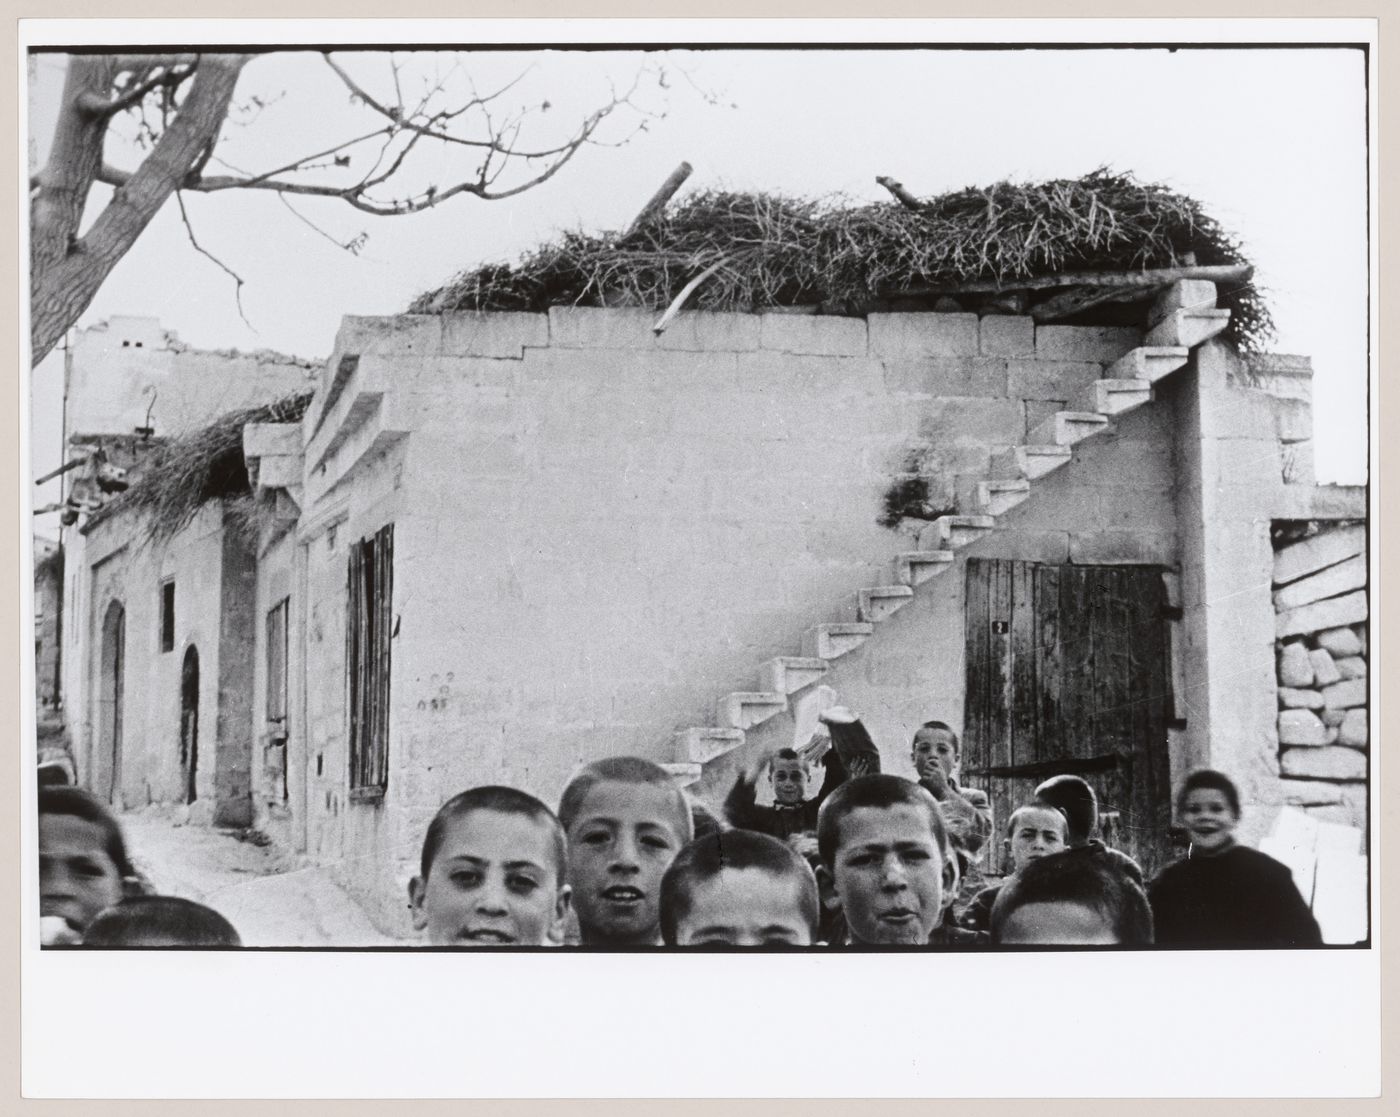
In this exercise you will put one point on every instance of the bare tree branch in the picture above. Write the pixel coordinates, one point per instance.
(352, 246)
(179, 104)
(237, 279)
(171, 79)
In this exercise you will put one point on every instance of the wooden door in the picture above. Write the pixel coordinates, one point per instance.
(189, 725)
(1068, 672)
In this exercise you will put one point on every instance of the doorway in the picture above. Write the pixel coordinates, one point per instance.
(107, 763)
(189, 724)
(1068, 671)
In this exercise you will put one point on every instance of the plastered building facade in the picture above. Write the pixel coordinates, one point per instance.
(499, 546)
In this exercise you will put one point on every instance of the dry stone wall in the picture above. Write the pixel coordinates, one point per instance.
(1321, 607)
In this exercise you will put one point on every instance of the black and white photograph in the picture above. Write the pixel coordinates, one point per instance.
(833, 495)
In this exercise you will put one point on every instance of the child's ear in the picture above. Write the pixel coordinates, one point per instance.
(952, 878)
(417, 889)
(558, 928)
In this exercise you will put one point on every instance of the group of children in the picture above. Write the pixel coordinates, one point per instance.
(630, 861)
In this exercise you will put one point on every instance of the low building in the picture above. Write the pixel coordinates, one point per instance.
(496, 546)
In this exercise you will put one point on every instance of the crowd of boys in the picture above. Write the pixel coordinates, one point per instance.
(629, 861)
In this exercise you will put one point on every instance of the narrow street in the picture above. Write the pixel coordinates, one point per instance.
(268, 896)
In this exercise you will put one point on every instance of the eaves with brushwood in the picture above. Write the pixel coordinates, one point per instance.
(1094, 251)
(182, 475)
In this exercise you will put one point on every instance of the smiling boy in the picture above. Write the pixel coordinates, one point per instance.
(492, 873)
(792, 813)
(1223, 893)
(626, 820)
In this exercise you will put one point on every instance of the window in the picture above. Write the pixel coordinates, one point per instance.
(275, 747)
(277, 664)
(167, 616)
(368, 629)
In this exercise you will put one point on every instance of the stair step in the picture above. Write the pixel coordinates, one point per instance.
(1030, 462)
(1148, 362)
(879, 602)
(787, 674)
(948, 533)
(1188, 327)
(1113, 397)
(704, 743)
(1065, 428)
(684, 774)
(746, 708)
(997, 497)
(914, 568)
(1183, 294)
(832, 641)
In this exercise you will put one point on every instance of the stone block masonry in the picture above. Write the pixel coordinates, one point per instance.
(601, 531)
(1320, 597)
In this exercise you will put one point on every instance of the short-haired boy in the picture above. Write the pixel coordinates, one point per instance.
(936, 753)
(1075, 799)
(738, 888)
(1034, 830)
(626, 820)
(884, 842)
(493, 872)
(1222, 893)
(792, 812)
(160, 921)
(1067, 899)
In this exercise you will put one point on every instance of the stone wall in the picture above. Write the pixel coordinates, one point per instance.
(122, 368)
(1244, 465)
(1320, 597)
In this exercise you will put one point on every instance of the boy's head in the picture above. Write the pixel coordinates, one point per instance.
(493, 871)
(935, 746)
(157, 921)
(1070, 900)
(1035, 830)
(1208, 806)
(83, 863)
(626, 820)
(788, 775)
(1075, 799)
(892, 864)
(738, 888)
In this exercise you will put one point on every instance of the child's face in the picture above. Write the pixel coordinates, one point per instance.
(1208, 818)
(1057, 924)
(891, 874)
(77, 877)
(1037, 833)
(934, 748)
(745, 907)
(789, 781)
(494, 881)
(625, 837)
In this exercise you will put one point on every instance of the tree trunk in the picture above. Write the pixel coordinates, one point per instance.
(67, 271)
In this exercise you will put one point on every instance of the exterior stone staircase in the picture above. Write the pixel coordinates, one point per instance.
(1183, 317)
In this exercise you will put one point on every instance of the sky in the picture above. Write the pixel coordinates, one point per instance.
(1271, 141)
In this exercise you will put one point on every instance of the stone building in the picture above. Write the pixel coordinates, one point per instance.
(150, 640)
(497, 546)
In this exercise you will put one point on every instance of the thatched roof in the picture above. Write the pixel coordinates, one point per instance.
(846, 258)
(185, 473)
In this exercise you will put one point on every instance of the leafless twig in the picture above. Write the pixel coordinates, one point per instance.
(237, 279)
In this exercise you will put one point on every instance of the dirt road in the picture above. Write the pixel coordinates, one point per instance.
(269, 897)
